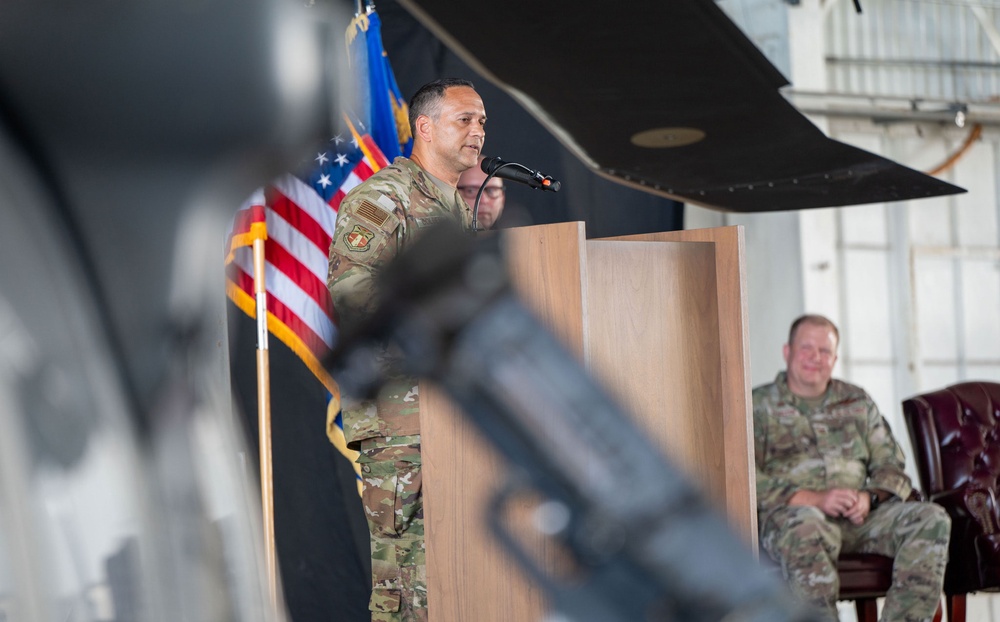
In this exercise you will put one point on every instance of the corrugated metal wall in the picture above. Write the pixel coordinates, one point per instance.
(934, 49)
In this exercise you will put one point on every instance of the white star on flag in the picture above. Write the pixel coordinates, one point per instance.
(322, 158)
(341, 159)
(324, 180)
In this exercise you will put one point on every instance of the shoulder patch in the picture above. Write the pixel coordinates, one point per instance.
(378, 212)
(358, 239)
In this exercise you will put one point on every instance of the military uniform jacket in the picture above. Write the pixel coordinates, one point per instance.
(844, 442)
(377, 220)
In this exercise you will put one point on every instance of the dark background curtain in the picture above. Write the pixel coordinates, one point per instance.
(320, 529)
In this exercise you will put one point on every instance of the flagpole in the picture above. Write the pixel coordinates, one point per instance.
(264, 425)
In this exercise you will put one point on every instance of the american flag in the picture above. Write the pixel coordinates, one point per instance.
(300, 212)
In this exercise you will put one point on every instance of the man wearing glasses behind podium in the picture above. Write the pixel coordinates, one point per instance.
(494, 195)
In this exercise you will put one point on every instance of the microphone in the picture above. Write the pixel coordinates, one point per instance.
(519, 173)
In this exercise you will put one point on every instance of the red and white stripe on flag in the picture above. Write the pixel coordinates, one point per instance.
(300, 216)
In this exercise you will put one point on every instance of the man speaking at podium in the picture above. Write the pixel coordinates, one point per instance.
(378, 220)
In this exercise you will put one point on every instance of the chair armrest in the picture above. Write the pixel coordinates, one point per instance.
(971, 503)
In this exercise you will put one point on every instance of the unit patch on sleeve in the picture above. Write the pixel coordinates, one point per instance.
(357, 239)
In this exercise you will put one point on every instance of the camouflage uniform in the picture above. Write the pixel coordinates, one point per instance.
(844, 442)
(377, 220)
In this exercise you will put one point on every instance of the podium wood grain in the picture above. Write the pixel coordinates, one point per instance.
(734, 350)
(660, 321)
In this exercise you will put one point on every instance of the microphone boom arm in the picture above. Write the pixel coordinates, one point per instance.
(519, 173)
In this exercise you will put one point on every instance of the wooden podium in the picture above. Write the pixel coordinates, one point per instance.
(661, 321)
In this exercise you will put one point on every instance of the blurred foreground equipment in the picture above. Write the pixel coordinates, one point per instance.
(645, 541)
(128, 135)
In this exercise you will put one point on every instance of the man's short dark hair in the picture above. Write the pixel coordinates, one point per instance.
(427, 99)
(815, 320)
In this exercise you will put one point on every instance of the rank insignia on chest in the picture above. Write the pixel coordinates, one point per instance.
(358, 239)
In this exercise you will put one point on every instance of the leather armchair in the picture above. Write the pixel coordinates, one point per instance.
(955, 433)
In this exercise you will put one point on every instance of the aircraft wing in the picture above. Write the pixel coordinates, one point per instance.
(670, 97)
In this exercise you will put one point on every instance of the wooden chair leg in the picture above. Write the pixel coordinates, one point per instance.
(867, 609)
(956, 607)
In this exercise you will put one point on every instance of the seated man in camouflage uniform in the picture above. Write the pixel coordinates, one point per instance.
(830, 479)
(377, 220)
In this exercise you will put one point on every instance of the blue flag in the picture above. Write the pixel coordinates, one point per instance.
(381, 106)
